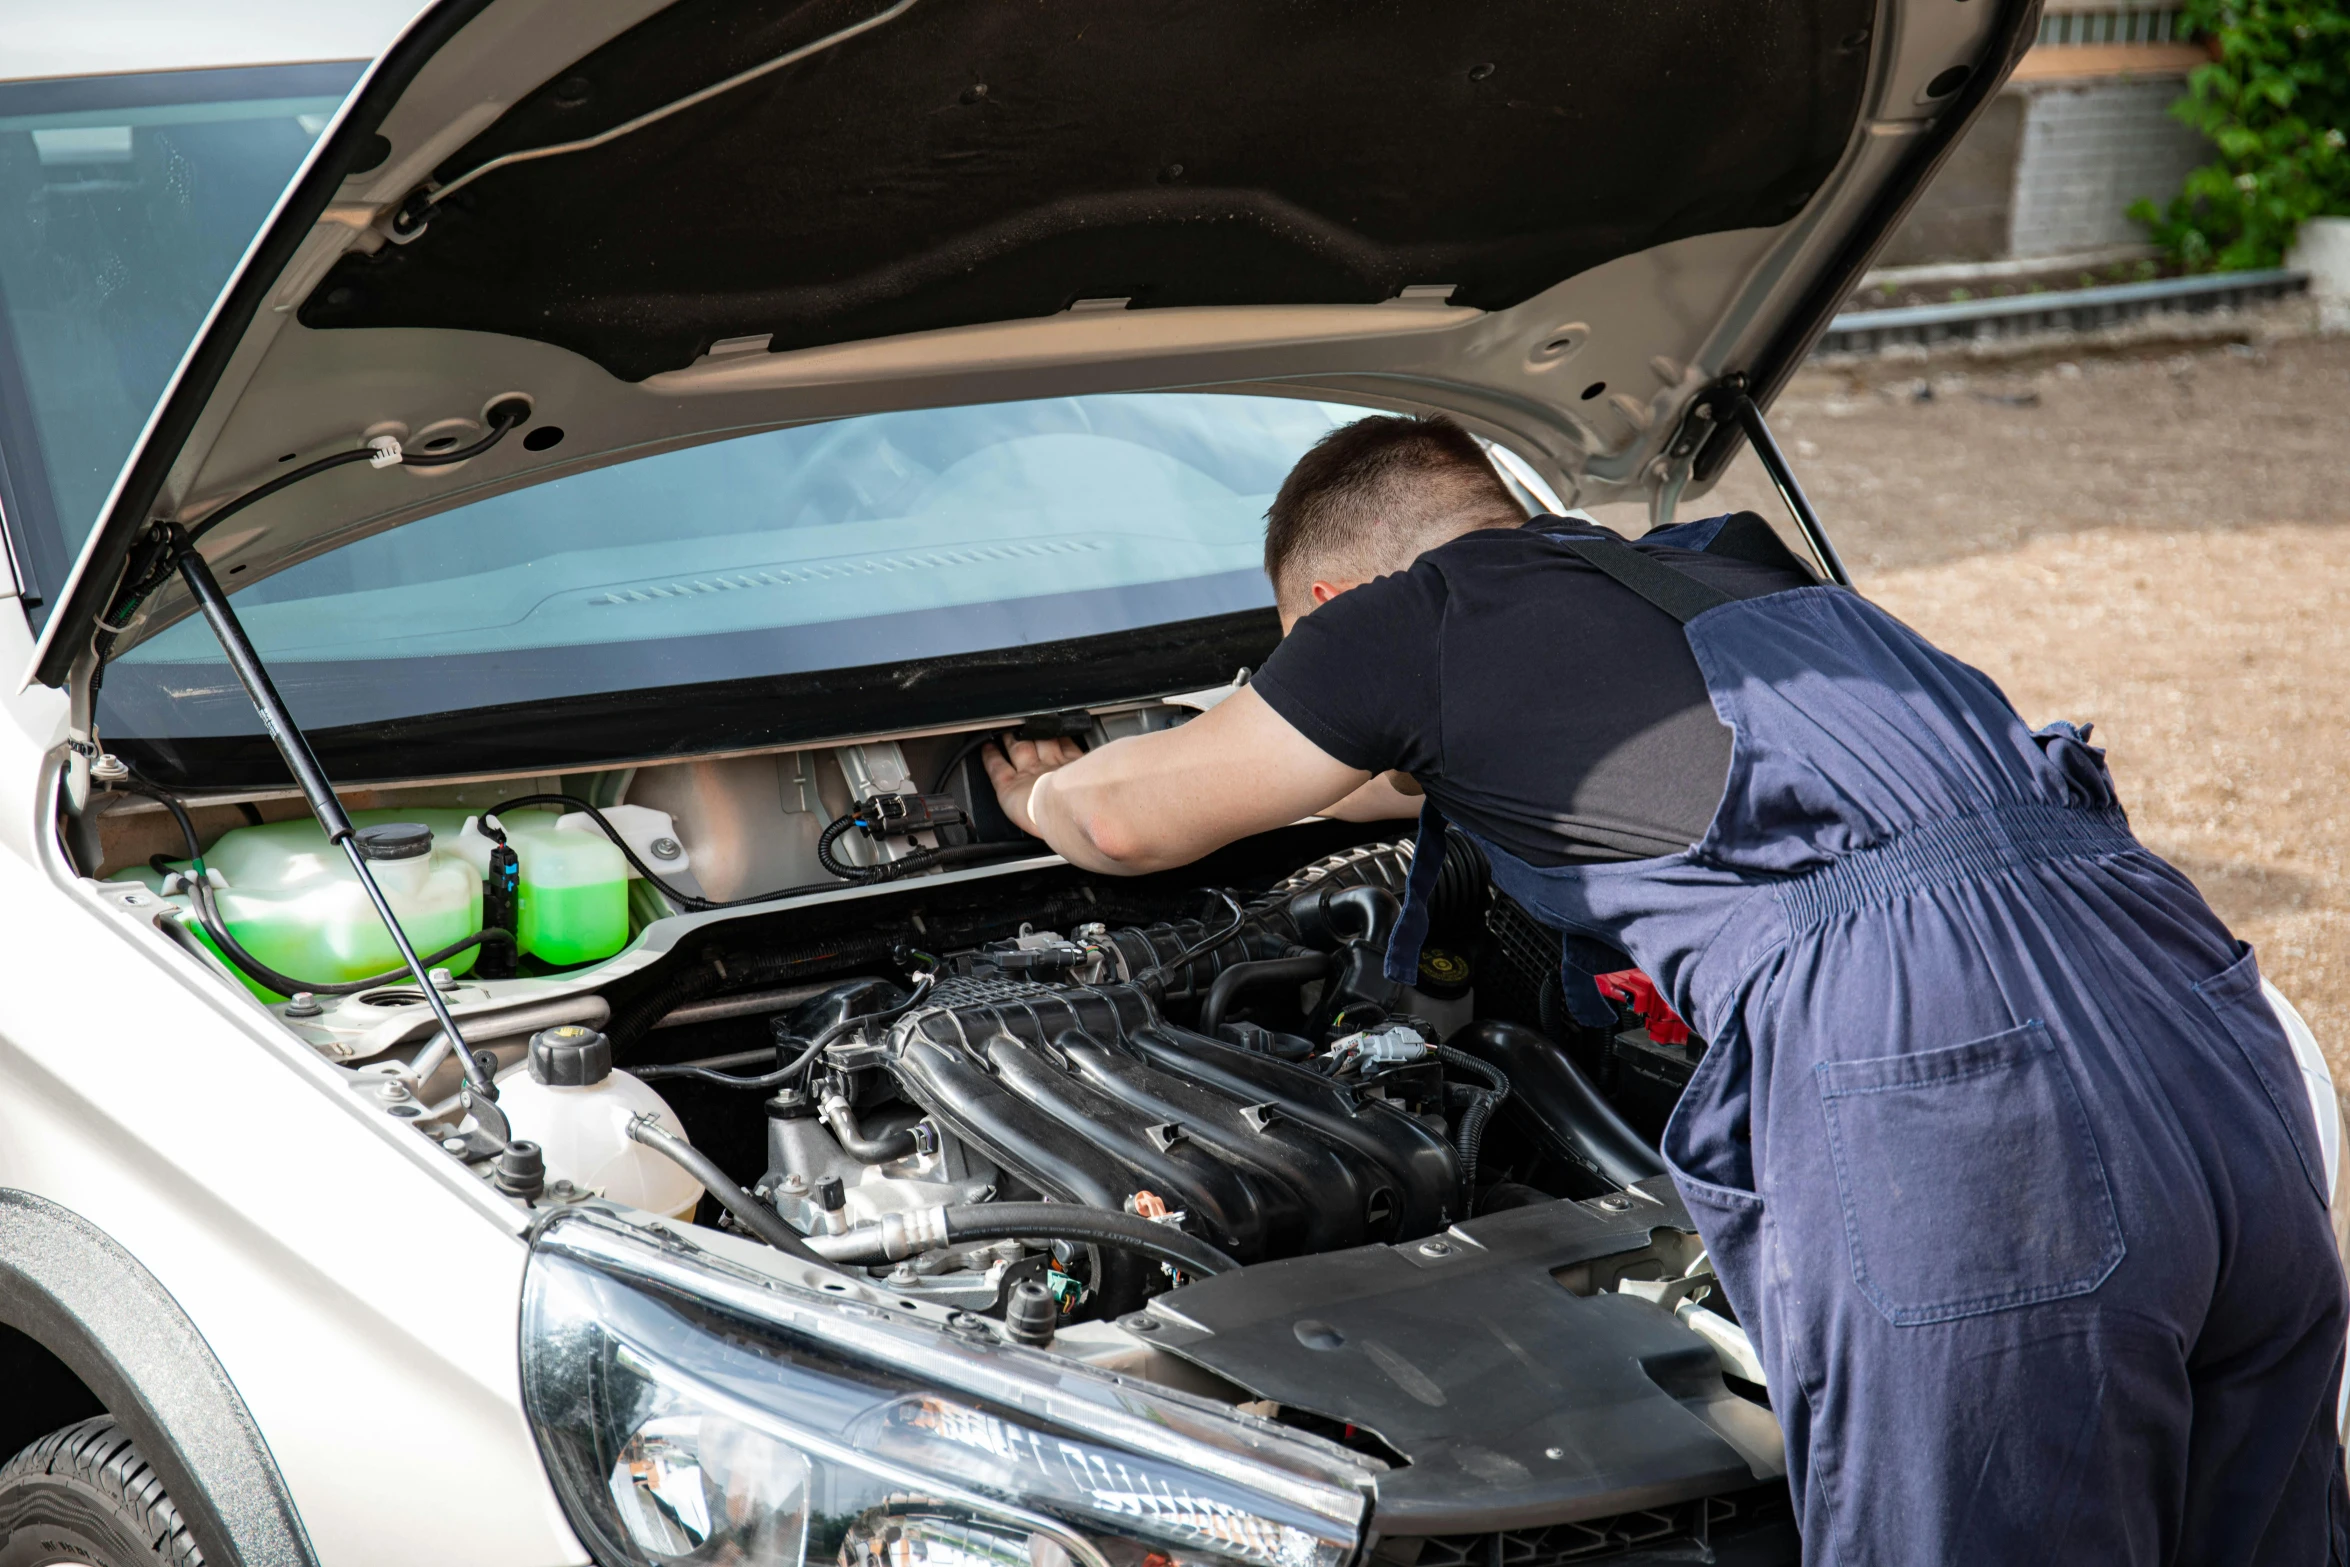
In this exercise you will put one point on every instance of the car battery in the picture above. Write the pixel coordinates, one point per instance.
(1645, 1078)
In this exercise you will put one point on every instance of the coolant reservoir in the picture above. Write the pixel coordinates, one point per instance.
(291, 899)
(566, 1097)
(572, 904)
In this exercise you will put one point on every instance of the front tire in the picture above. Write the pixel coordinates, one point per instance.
(84, 1494)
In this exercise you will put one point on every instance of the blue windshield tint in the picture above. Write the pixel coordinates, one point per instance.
(125, 203)
(878, 540)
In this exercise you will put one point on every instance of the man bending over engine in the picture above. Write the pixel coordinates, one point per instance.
(1998, 1149)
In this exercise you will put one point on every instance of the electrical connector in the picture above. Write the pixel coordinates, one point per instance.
(884, 816)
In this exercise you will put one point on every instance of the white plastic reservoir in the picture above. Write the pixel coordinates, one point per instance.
(566, 1096)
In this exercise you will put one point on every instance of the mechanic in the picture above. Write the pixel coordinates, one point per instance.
(1998, 1149)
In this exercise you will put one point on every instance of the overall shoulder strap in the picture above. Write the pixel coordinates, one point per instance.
(1669, 588)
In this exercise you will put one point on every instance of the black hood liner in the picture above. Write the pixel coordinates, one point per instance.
(977, 161)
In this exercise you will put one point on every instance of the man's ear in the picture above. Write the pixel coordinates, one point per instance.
(1324, 592)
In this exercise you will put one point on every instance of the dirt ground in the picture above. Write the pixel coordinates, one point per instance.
(2157, 544)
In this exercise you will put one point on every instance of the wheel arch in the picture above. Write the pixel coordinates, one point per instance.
(73, 1290)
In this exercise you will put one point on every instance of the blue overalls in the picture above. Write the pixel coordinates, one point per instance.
(1999, 1152)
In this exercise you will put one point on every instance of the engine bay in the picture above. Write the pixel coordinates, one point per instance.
(1181, 1127)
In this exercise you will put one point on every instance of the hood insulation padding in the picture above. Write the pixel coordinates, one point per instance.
(988, 160)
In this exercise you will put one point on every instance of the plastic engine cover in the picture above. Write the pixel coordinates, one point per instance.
(1090, 1096)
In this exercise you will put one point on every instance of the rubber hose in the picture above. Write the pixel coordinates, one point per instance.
(208, 916)
(1329, 917)
(853, 1141)
(755, 1216)
(1560, 1102)
(1248, 976)
(509, 417)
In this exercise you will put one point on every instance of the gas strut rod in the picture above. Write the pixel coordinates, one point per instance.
(1774, 461)
(478, 1095)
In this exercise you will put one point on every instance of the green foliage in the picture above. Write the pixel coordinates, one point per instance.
(2276, 106)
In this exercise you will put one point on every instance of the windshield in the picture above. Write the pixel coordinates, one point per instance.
(906, 541)
(125, 202)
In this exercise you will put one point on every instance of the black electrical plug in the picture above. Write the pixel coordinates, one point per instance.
(884, 816)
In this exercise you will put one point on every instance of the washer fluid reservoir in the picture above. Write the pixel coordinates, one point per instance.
(572, 904)
(566, 1097)
(291, 899)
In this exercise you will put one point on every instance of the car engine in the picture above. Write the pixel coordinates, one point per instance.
(1246, 1075)
(1180, 1127)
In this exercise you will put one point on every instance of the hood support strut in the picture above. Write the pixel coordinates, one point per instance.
(1774, 462)
(175, 548)
(1729, 399)
(478, 1094)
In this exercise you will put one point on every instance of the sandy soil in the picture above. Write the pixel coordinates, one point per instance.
(2160, 546)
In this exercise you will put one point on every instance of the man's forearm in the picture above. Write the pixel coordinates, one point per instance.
(1097, 821)
(1163, 799)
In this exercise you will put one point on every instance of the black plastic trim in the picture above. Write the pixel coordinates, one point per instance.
(1808, 322)
(350, 144)
(71, 1288)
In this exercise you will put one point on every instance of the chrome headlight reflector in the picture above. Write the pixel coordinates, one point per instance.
(692, 1410)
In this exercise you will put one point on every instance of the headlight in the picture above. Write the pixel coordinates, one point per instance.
(693, 1411)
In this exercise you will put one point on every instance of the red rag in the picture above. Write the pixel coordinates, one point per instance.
(1630, 985)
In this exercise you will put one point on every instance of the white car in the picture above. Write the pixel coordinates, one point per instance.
(641, 452)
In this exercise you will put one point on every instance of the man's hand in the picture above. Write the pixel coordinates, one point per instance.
(1163, 799)
(1014, 766)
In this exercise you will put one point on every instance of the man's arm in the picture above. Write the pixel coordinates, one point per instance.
(1158, 800)
(1380, 800)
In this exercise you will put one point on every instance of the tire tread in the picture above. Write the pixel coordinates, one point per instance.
(99, 1455)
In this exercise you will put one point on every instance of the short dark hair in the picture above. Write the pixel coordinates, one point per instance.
(1371, 496)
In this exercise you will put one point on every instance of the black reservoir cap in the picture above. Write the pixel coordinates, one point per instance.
(394, 841)
(570, 1055)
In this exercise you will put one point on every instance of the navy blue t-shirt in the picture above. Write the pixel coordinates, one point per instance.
(1544, 706)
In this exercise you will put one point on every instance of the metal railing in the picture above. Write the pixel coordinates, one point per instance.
(2056, 310)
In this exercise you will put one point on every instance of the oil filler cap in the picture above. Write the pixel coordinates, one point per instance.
(570, 1056)
(394, 841)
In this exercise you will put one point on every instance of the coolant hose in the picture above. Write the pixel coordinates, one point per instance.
(1247, 976)
(865, 1150)
(755, 1216)
(1004, 1221)
(1562, 1106)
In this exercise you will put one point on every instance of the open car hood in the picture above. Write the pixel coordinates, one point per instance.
(1563, 224)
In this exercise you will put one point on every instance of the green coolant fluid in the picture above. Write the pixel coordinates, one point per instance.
(572, 901)
(292, 900)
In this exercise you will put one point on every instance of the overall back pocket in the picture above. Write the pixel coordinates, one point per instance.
(1969, 1178)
